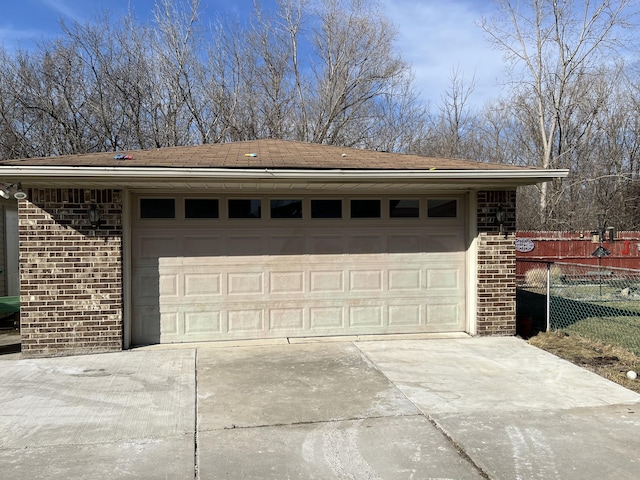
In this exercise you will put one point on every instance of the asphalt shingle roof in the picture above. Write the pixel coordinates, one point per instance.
(261, 154)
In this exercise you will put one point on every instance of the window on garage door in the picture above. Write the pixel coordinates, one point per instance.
(292, 208)
(326, 208)
(244, 208)
(404, 208)
(286, 208)
(442, 208)
(365, 208)
(201, 208)
(157, 208)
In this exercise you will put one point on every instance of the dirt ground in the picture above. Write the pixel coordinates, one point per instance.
(607, 361)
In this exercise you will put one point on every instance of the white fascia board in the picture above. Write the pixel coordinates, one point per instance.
(36, 173)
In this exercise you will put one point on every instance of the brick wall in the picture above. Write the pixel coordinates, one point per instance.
(70, 274)
(496, 309)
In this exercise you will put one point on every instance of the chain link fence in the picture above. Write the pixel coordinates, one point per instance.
(597, 302)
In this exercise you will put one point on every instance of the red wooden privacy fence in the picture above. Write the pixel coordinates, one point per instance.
(621, 249)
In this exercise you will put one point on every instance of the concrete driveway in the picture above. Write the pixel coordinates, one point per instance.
(460, 408)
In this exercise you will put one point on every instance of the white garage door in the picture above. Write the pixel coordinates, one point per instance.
(218, 268)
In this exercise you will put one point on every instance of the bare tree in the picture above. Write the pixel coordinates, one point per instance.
(396, 122)
(451, 128)
(51, 91)
(555, 48)
(273, 75)
(229, 82)
(13, 127)
(175, 54)
(356, 63)
(292, 14)
(329, 74)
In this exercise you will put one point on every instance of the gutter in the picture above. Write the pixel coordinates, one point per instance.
(25, 173)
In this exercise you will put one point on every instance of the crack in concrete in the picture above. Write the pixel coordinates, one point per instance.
(314, 422)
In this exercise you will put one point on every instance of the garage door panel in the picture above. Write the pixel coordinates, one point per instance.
(363, 244)
(327, 281)
(203, 284)
(202, 322)
(146, 327)
(444, 316)
(203, 245)
(366, 316)
(326, 244)
(246, 245)
(287, 282)
(150, 247)
(408, 243)
(169, 323)
(286, 319)
(262, 320)
(444, 243)
(406, 279)
(406, 315)
(302, 297)
(146, 285)
(327, 318)
(168, 285)
(287, 245)
(366, 280)
(246, 321)
(258, 278)
(245, 283)
(444, 279)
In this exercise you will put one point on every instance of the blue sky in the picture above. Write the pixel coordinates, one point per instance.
(435, 36)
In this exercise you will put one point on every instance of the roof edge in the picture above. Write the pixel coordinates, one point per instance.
(24, 173)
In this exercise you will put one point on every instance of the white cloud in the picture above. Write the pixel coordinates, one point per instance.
(12, 38)
(438, 36)
(63, 8)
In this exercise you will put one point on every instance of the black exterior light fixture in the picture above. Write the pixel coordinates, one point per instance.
(501, 218)
(94, 216)
(19, 194)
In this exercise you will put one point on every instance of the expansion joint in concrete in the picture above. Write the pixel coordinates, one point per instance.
(457, 447)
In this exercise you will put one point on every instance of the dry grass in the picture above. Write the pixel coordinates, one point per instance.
(605, 360)
(537, 277)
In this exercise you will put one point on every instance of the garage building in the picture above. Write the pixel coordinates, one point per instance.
(259, 240)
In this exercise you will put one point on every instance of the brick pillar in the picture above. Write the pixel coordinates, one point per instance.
(70, 274)
(496, 290)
